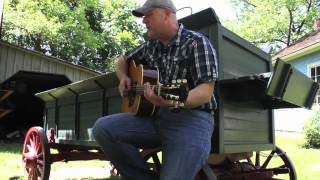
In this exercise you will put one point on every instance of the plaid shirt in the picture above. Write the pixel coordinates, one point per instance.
(190, 55)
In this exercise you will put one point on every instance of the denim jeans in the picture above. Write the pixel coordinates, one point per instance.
(185, 138)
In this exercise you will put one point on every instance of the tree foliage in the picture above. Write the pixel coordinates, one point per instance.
(276, 23)
(86, 32)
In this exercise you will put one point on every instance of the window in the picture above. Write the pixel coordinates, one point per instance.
(315, 76)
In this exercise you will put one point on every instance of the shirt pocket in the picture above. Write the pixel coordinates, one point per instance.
(178, 68)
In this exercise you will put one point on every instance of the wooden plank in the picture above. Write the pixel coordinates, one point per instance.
(76, 75)
(10, 63)
(5, 94)
(236, 148)
(66, 134)
(237, 124)
(70, 72)
(114, 105)
(61, 69)
(18, 64)
(4, 112)
(244, 111)
(83, 75)
(90, 111)
(36, 63)
(67, 117)
(53, 67)
(27, 62)
(246, 136)
(3, 62)
(44, 65)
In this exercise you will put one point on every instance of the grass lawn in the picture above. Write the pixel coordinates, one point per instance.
(306, 162)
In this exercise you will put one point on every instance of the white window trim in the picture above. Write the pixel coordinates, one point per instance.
(309, 66)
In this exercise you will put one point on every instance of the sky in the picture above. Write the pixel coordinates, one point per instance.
(222, 7)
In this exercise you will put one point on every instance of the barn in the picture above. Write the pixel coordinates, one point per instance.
(23, 73)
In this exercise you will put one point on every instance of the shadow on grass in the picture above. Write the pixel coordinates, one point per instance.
(15, 148)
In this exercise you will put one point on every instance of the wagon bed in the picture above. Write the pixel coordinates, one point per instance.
(247, 91)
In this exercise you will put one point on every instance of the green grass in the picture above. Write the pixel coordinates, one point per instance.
(10, 166)
(305, 161)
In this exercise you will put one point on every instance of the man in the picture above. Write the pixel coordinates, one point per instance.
(184, 136)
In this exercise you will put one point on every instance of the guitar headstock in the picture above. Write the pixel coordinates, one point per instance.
(177, 92)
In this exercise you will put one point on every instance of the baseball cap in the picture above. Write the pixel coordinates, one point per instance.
(150, 4)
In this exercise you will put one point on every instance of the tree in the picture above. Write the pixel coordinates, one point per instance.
(276, 23)
(85, 32)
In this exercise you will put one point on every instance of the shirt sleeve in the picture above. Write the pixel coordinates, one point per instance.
(137, 54)
(203, 64)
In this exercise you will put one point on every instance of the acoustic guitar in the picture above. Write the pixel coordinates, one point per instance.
(134, 100)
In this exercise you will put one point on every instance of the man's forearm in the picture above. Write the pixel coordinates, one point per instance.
(199, 95)
(121, 68)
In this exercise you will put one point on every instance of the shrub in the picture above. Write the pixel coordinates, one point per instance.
(311, 131)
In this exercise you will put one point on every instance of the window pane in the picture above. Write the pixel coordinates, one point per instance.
(318, 70)
(312, 72)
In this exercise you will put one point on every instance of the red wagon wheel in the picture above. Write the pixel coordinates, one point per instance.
(276, 161)
(36, 154)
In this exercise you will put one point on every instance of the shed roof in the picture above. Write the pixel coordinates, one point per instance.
(306, 42)
(83, 68)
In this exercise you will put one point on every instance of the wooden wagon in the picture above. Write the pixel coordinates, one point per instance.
(247, 91)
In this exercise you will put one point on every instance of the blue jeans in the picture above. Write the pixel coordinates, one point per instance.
(185, 138)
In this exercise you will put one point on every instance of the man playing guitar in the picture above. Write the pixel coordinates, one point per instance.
(185, 135)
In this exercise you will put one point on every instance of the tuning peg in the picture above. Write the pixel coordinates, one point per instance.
(181, 104)
(179, 81)
(173, 81)
(173, 97)
(184, 81)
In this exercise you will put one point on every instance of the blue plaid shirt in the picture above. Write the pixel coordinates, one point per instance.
(190, 55)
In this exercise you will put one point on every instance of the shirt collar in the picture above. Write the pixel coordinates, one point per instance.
(178, 37)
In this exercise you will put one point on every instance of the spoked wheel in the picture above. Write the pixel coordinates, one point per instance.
(276, 161)
(36, 157)
(152, 158)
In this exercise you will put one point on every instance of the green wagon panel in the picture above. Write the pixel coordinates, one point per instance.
(236, 58)
(50, 115)
(90, 109)
(239, 58)
(246, 123)
(66, 118)
(113, 101)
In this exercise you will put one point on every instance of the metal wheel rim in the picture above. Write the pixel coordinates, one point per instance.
(36, 155)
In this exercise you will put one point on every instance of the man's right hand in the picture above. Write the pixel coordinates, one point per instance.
(124, 86)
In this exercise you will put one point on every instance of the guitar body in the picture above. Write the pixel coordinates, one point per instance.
(134, 101)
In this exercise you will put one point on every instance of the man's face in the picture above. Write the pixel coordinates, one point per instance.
(153, 20)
